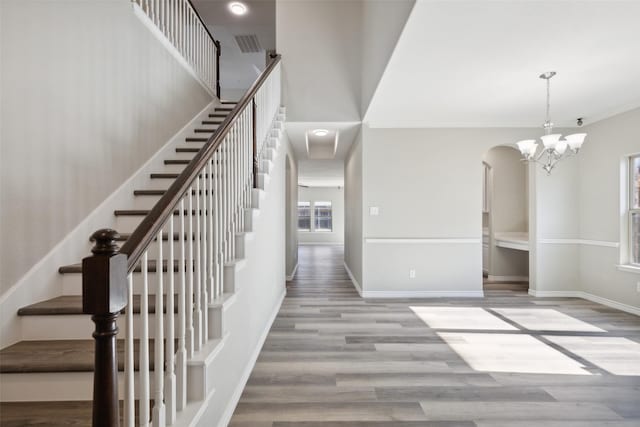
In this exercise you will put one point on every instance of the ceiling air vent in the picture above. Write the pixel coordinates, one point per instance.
(249, 43)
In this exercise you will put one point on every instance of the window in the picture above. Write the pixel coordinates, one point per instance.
(323, 217)
(304, 216)
(634, 210)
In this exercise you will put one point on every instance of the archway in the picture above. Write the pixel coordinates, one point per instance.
(505, 220)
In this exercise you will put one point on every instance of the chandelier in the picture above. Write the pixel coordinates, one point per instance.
(554, 148)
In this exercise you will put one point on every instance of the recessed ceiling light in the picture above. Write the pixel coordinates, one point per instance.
(321, 132)
(238, 8)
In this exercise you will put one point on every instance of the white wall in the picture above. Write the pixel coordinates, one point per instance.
(509, 209)
(334, 195)
(598, 187)
(353, 242)
(88, 95)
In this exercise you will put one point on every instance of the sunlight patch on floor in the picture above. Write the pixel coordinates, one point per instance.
(546, 319)
(510, 353)
(619, 356)
(468, 318)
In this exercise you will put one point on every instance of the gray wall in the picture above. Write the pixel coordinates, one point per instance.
(427, 184)
(606, 147)
(320, 45)
(88, 95)
(353, 243)
(334, 195)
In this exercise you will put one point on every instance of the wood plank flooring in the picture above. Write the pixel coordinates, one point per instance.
(333, 359)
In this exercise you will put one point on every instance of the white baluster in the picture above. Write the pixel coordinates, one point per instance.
(170, 380)
(216, 221)
(197, 286)
(204, 263)
(190, 285)
(181, 355)
(210, 237)
(144, 393)
(129, 366)
(159, 410)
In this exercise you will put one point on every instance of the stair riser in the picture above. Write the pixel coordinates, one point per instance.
(72, 283)
(47, 387)
(80, 327)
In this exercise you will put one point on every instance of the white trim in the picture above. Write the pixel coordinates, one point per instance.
(353, 279)
(508, 278)
(138, 12)
(628, 268)
(293, 273)
(585, 242)
(587, 296)
(422, 240)
(423, 294)
(320, 243)
(237, 393)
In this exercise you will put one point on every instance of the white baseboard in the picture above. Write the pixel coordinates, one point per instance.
(42, 281)
(507, 278)
(293, 273)
(353, 279)
(237, 393)
(590, 297)
(320, 243)
(423, 294)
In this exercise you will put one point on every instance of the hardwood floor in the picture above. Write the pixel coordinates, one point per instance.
(333, 359)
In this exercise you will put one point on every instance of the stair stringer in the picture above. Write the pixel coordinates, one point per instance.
(258, 291)
(42, 281)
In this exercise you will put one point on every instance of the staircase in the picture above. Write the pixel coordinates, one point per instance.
(47, 377)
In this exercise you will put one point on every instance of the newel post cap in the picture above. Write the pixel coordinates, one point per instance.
(104, 275)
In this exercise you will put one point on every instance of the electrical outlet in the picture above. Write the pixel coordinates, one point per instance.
(412, 274)
(374, 211)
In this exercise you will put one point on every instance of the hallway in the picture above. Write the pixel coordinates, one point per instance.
(333, 359)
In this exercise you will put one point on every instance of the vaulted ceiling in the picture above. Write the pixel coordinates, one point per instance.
(476, 64)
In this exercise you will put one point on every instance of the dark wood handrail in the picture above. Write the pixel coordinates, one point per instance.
(204, 25)
(144, 234)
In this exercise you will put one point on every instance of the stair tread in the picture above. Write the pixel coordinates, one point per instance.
(157, 192)
(196, 139)
(145, 212)
(187, 149)
(43, 414)
(151, 267)
(165, 236)
(169, 175)
(68, 413)
(58, 356)
(72, 304)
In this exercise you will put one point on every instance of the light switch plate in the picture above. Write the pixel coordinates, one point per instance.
(374, 211)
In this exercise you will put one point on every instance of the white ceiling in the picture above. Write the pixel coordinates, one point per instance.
(321, 173)
(476, 64)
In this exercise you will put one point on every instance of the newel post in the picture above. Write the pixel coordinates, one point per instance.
(218, 54)
(104, 295)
